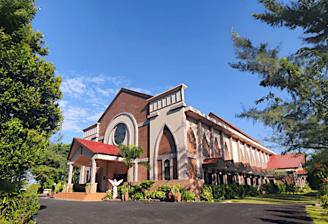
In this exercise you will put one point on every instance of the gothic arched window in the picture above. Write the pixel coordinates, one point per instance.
(167, 169)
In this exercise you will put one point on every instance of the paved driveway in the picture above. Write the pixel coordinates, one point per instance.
(60, 211)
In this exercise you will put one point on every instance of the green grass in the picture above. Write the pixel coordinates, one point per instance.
(307, 199)
(317, 214)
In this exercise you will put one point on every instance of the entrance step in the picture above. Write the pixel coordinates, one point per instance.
(82, 196)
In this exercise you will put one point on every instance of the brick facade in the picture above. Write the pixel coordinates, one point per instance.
(124, 102)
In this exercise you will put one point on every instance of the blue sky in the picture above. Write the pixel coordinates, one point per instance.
(101, 46)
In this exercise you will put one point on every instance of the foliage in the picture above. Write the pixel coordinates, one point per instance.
(138, 196)
(130, 154)
(317, 175)
(157, 195)
(165, 188)
(233, 191)
(323, 194)
(300, 120)
(109, 195)
(187, 195)
(271, 188)
(145, 193)
(54, 168)
(18, 206)
(147, 184)
(206, 193)
(289, 180)
(124, 189)
(29, 90)
(175, 189)
(29, 109)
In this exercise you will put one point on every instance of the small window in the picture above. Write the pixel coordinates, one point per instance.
(119, 134)
(167, 169)
(93, 139)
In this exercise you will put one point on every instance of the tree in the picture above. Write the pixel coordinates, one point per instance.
(29, 91)
(29, 112)
(130, 154)
(54, 168)
(299, 122)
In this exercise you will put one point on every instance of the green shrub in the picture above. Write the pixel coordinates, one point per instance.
(219, 191)
(157, 195)
(48, 184)
(18, 206)
(147, 184)
(187, 195)
(165, 188)
(281, 188)
(109, 195)
(206, 194)
(138, 196)
(307, 188)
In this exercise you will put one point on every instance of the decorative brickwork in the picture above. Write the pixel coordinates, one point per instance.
(159, 170)
(206, 147)
(192, 168)
(191, 142)
(167, 144)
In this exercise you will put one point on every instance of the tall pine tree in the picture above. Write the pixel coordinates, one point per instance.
(301, 121)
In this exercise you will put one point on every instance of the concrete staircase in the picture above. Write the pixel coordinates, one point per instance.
(81, 196)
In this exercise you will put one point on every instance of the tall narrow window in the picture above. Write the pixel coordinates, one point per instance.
(167, 169)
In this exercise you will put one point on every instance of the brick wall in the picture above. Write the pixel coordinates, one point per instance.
(143, 140)
(125, 102)
(166, 145)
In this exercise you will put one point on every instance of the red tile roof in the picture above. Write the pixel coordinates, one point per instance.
(291, 160)
(301, 172)
(98, 147)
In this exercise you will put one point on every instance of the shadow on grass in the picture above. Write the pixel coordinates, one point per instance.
(278, 221)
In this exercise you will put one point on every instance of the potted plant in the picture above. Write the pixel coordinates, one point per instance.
(87, 188)
(176, 193)
(125, 192)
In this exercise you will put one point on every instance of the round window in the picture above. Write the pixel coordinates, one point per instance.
(119, 134)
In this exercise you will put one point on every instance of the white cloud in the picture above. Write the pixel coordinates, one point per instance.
(97, 80)
(74, 87)
(95, 117)
(146, 91)
(105, 92)
(62, 103)
(72, 118)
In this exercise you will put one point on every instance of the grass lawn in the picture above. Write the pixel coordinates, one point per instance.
(317, 214)
(307, 199)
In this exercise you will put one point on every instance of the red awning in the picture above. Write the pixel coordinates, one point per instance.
(98, 147)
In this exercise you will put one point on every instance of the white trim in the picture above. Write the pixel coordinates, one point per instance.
(152, 115)
(131, 124)
(158, 139)
(108, 157)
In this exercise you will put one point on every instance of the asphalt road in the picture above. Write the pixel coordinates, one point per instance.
(54, 211)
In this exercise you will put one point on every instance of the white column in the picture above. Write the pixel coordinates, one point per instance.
(82, 175)
(70, 172)
(135, 170)
(93, 171)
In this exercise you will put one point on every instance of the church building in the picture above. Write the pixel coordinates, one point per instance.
(181, 144)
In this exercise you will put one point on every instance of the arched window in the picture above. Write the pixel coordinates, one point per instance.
(167, 169)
